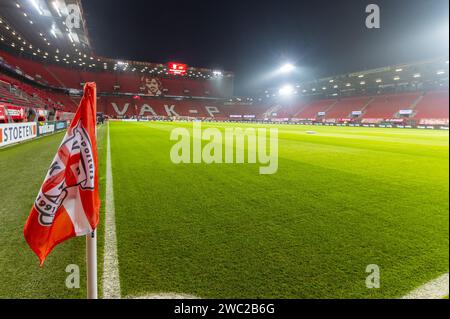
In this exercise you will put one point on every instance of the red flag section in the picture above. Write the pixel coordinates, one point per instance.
(68, 202)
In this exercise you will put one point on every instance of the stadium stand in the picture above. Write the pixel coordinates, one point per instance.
(312, 109)
(387, 106)
(344, 107)
(128, 94)
(434, 105)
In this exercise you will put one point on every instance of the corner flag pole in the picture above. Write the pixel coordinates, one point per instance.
(91, 263)
(91, 259)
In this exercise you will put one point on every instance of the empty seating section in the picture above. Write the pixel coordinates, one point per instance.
(344, 107)
(434, 105)
(387, 106)
(59, 76)
(311, 109)
(32, 68)
(18, 93)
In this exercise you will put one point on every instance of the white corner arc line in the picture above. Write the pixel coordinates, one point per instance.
(111, 279)
(435, 289)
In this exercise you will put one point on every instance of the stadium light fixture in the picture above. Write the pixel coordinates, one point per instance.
(36, 6)
(286, 90)
(287, 68)
(53, 32)
(55, 5)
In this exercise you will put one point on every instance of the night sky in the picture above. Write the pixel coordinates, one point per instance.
(252, 38)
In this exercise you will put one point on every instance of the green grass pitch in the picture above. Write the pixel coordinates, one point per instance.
(342, 199)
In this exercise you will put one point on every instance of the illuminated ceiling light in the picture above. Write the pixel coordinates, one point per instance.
(53, 32)
(70, 37)
(287, 68)
(55, 5)
(417, 75)
(31, 22)
(399, 70)
(348, 85)
(36, 6)
(18, 5)
(440, 72)
(314, 90)
(396, 78)
(25, 14)
(361, 75)
(362, 82)
(331, 81)
(378, 80)
(324, 88)
(336, 86)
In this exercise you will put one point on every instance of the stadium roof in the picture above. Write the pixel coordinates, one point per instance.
(435, 71)
(55, 31)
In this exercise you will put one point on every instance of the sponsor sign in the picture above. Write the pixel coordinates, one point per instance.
(16, 132)
(356, 112)
(321, 114)
(61, 125)
(46, 128)
(405, 112)
(372, 120)
(395, 120)
(434, 122)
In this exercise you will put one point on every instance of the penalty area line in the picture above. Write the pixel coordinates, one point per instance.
(435, 289)
(111, 279)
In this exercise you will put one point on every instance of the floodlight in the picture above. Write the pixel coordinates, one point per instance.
(286, 90)
(287, 68)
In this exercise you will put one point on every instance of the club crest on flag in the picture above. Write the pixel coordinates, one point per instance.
(73, 166)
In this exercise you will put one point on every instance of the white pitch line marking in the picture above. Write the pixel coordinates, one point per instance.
(435, 289)
(111, 279)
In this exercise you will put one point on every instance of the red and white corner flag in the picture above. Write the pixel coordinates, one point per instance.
(68, 202)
